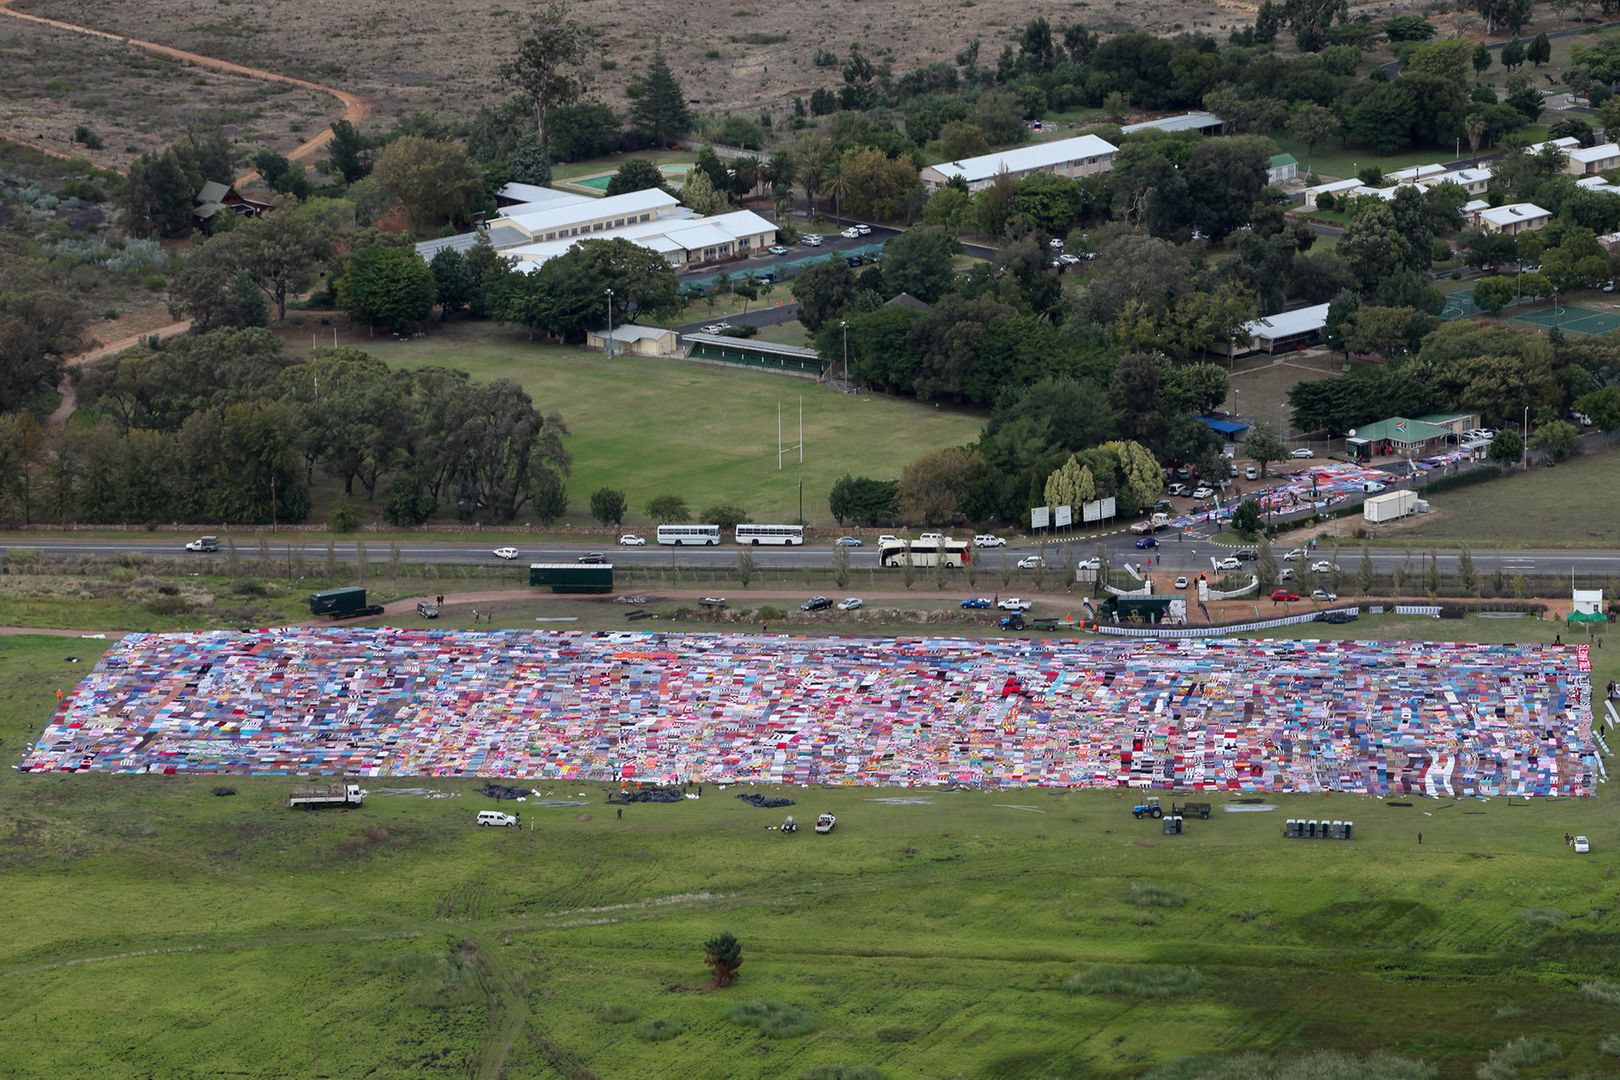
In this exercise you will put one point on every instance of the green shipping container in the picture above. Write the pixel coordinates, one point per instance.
(338, 601)
(573, 577)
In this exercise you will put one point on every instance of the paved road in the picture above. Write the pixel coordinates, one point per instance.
(1191, 553)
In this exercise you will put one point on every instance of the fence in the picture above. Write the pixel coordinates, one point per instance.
(1232, 594)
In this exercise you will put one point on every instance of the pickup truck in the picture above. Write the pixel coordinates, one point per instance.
(203, 543)
(1153, 524)
(347, 796)
(825, 823)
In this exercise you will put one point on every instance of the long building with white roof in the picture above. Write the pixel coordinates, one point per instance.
(1082, 155)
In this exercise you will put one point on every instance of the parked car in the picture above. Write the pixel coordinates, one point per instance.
(1055, 244)
(1147, 542)
(848, 541)
(1251, 473)
(1178, 490)
(505, 553)
(988, 540)
(1322, 566)
(850, 604)
(427, 609)
(1245, 555)
(862, 230)
(930, 538)
(850, 233)
(1582, 845)
(810, 240)
(777, 249)
(1203, 491)
(717, 328)
(1283, 596)
(1181, 582)
(1031, 562)
(632, 540)
(816, 603)
(1066, 259)
(592, 557)
(1324, 596)
(1228, 563)
(975, 603)
(889, 538)
(1093, 564)
(1013, 603)
(1302, 452)
(1285, 574)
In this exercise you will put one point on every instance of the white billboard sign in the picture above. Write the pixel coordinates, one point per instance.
(1040, 517)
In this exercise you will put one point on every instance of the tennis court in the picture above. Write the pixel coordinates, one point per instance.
(1460, 305)
(1575, 320)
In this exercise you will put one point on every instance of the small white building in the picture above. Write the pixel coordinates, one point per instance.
(1473, 181)
(1285, 328)
(1587, 601)
(1591, 160)
(1334, 188)
(1083, 155)
(1414, 173)
(636, 340)
(1514, 218)
(1567, 143)
(1203, 122)
(1471, 211)
(1597, 184)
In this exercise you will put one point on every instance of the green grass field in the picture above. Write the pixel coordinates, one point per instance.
(652, 427)
(1571, 504)
(153, 929)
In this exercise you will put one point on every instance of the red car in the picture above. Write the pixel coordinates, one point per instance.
(1283, 596)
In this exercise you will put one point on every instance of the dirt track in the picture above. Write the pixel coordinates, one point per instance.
(355, 107)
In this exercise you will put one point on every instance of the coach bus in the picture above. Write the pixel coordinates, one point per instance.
(688, 534)
(790, 535)
(926, 553)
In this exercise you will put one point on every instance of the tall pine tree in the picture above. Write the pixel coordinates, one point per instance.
(660, 114)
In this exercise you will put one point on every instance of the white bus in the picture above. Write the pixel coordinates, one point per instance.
(770, 534)
(929, 553)
(688, 534)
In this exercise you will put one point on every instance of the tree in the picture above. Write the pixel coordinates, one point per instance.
(1602, 407)
(1513, 54)
(452, 280)
(1246, 519)
(607, 506)
(919, 262)
(214, 290)
(548, 69)
(409, 503)
(282, 250)
(1383, 118)
(349, 152)
(949, 208)
(726, 515)
(1559, 439)
(658, 112)
(284, 177)
(698, 193)
(1467, 576)
(387, 286)
(824, 291)
(1265, 565)
(1313, 124)
(863, 501)
(1482, 59)
(1493, 293)
(668, 510)
(637, 174)
(1364, 572)
(1072, 485)
(931, 487)
(578, 132)
(874, 183)
(158, 196)
(723, 954)
(1373, 246)
(1264, 445)
(432, 181)
(1539, 51)
(530, 160)
(1507, 448)
(1225, 178)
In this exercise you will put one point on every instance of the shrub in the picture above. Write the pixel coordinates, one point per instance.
(617, 1014)
(841, 1072)
(727, 516)
(1143, 895)
(1542, 918)
(774, 1019)
(1134, 980)
(1523, 1052)
(1603, 992)
(345, 518)
(1325, 1065)
(1610, 1045)
(659, 1030)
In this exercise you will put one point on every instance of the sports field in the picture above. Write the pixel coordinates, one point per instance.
(1571, 318)
(652, 427)
(154, 929)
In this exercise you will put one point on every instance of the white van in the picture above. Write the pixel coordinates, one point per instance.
(495, 817)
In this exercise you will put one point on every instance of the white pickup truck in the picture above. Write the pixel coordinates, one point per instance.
(1152, 525)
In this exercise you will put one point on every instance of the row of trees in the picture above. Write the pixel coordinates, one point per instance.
(222, 426)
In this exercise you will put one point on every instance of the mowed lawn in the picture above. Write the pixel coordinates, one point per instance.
(1572, 504)
(154, 929)
(709, 434)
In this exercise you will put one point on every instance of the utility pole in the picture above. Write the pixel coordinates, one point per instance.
(610, 323)
(844, 324)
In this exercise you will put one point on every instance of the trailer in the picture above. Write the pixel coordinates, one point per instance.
(1389, 506)
(572, 577)
(347, 796)
(347, 603)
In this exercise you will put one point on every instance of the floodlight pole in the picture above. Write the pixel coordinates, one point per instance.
(610, 323)
(844, 324)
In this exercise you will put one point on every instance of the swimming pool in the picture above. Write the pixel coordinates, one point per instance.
(600, 183)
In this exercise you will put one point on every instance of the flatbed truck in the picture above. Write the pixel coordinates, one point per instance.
(347, 796)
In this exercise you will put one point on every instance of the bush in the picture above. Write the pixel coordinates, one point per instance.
(1325, 1065)
(774, 1019)
(1523, 1052)
(1135, 980)
(345, 518)
(1603, 992)
(1542, 918)
(658, 1030)
(727, 516)
(617, 1014)
(842, 1072)
(1143, 895)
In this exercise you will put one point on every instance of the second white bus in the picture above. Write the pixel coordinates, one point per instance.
(932, 553)
(790, 535)
(688, 534)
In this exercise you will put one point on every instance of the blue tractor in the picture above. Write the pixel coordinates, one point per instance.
(1150, 808)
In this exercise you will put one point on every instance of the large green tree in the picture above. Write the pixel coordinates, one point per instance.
(387, 286)
(919, 262)
(549, 68)
(658, 110)
(637, 174)
(433, 181)
(824, 291)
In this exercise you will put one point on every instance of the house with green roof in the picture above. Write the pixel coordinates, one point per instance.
(1282, 168)
(1397, 435)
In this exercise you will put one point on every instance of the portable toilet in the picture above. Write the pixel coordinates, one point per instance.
(1291, 828)
(1172, 825)
(1349, 830)
(1338, 830)
(1311, 829)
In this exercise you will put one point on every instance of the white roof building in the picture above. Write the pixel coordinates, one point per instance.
(1082, 155)
(1286, 326)
(1416, 172)
(1472, 181)
(1334, 187)
(1587, 601)
(1514, 218)
(1590, 160)
(1566, 143)
(555, 222)
(533, 196)
(682, 239)
(1193, 121)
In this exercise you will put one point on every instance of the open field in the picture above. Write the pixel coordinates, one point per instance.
(135, 101)
(149, 921)
(1572, 503)
(443, 58)
(1261, 384)
(652, 427)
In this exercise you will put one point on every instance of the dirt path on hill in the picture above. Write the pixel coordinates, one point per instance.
(355, 107)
